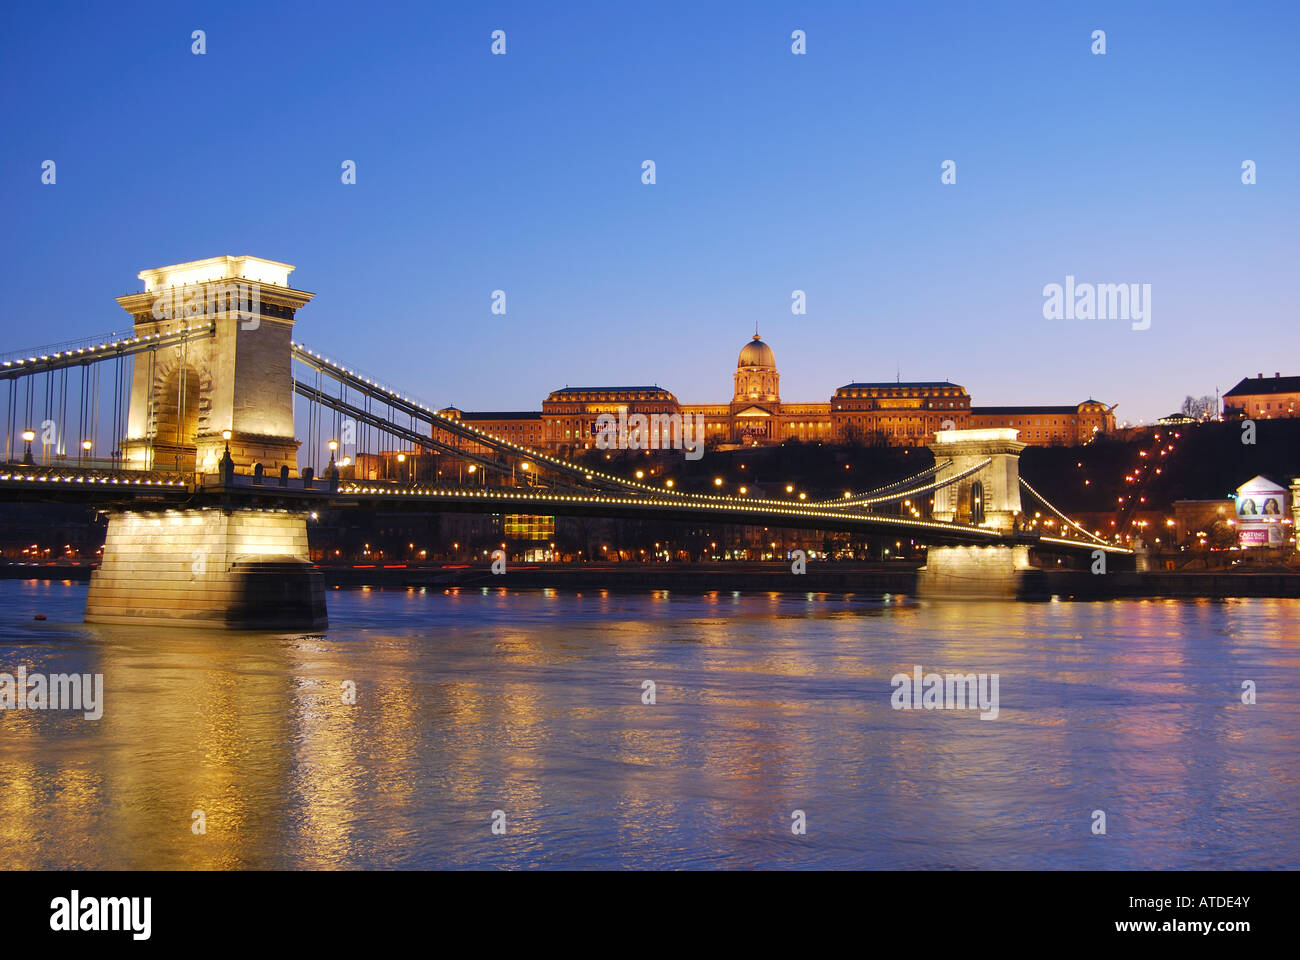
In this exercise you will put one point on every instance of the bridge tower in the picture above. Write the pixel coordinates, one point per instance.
(215, 568)
(989, 497)
(235, 375)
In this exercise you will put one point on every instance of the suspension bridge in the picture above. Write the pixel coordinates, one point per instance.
(208, 434)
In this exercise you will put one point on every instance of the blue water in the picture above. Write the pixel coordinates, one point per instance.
(530, 703)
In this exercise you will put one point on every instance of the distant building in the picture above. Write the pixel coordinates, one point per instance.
(569, 416)
(756, 414)
(523, 427)
(1263, 398)
(896, 414)
(1197, 520)
(1064, 425)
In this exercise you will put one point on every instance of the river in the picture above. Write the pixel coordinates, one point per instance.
(524, 710)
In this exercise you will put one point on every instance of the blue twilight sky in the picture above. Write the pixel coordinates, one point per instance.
(775, 172)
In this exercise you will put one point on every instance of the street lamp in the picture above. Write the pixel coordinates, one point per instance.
(227, 463)
(333, 445)
(28, 436)
(401, 468)
(86, 446)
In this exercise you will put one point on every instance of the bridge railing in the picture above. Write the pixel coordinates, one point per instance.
(40, 461)
(66, 345)
(66, 472)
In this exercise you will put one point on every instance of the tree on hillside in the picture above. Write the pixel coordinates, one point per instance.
(1201, 408)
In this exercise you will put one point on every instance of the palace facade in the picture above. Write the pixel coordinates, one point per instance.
(883, 413)
(1263, 398)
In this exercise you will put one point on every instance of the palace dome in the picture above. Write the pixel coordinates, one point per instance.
(756, 353)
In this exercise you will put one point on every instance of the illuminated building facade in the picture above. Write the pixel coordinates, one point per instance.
(1043, 426)
(897, 413)
(569, 416)
(756, 414)
(1263, 398)
(884, 413)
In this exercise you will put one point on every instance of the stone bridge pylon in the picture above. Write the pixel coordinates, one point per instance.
(988, 496)
(230, 387)
(235, 376)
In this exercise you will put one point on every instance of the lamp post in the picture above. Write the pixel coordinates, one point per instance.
(227, 461)
(86, 447)
(28, 437)
(333, 472)
(401, 468)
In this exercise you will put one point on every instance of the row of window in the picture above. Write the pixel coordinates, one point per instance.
(606, 397)
(932, 405)
(899, 392)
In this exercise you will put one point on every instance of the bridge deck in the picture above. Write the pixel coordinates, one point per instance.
(154, 490)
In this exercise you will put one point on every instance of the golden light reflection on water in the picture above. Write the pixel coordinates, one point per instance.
(531, 703)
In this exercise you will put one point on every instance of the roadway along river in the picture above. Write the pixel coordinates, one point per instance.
(530, 703)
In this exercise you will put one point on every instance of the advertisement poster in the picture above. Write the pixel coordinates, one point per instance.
(1262, 505)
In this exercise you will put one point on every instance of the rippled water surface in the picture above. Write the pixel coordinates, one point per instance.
(531, 703)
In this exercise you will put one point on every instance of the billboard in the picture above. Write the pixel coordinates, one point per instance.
(1262, 508)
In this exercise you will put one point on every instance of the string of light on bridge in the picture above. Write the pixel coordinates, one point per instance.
(741, 505)
(84, 353)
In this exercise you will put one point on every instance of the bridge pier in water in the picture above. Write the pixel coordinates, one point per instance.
(988, 497)
(220, 569)
(997, 571)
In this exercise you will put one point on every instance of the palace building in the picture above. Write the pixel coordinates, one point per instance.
(1064, 425)
(897, 413)
(1264, 398)
(756, 414)
(883, 413)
